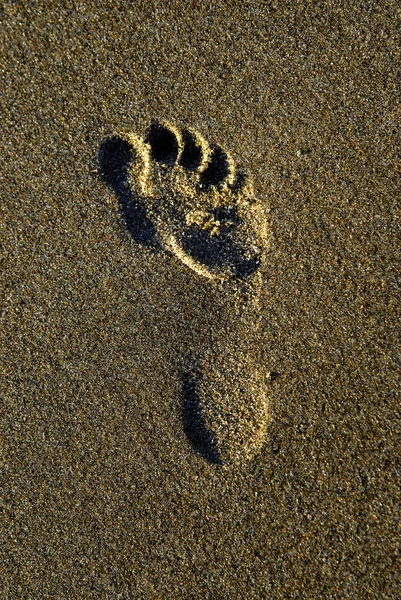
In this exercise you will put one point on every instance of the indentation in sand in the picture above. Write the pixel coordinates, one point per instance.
(179, 193)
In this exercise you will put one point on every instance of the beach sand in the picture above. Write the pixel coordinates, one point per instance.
(103, 492)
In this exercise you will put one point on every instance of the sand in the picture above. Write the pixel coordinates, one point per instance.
(104, 493)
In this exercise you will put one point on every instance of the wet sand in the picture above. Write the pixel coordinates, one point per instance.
(102, 493)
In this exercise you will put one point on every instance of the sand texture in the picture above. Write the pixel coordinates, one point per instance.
(200, 330)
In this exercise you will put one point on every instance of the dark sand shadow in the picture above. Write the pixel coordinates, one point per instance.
(115, 157)
(218, 251)
(195, 428)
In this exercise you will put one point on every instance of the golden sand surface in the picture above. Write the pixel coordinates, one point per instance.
(106, 489)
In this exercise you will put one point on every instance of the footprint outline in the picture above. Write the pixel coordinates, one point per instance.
(172, 170)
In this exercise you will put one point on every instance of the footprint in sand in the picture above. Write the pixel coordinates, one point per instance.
(179, 193)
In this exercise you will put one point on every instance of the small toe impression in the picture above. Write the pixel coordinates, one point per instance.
(217, 170)
(163, 143)
(192, 153)
(240, 181)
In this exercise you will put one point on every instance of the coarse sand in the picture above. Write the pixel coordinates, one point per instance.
(200, 348)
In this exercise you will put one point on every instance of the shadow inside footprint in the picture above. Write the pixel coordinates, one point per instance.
(163, 144)
(115, 157)
(195, 428)
(216, 171)
(218, 251)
